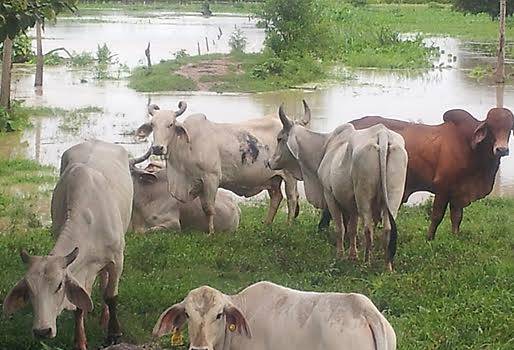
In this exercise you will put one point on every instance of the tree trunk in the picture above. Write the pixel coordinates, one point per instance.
(5, 87)
(500, 67)
(39, 57)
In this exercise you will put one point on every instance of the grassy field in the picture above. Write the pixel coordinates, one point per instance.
(453, 293)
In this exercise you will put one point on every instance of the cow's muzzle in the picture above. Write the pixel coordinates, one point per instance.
(158, 150)
(501, 151)
(42, 332)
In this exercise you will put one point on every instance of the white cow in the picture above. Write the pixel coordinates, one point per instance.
(352, 173)
(266, 316)
(91, 209)
(203, 156)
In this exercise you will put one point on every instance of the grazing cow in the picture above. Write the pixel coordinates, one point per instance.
(155, 208)
(91, 209)
(202, 156)
(456, 160)
(352, 173)
(266, 316)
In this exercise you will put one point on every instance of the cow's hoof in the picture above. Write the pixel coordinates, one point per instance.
(113, 339)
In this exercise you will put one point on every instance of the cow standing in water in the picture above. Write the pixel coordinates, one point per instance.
(456, 160)
(202, 156)
(91, 209)
(266, 316)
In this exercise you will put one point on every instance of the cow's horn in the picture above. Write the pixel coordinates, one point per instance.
(182, 105)
(134, 161)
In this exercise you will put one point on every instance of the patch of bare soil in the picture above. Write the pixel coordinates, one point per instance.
(216, 68)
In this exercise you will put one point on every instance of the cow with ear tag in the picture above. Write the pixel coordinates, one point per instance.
(91, 209)
(266, 316)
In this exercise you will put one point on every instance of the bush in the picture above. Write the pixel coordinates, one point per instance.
(491, 7)
(22, 49)
(237, 41)
(14, 120)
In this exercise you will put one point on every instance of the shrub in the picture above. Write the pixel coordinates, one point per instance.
(15, 119)
(491, 7)
(22, 49)
(237, 41)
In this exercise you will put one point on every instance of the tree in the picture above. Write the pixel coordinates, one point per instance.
(500, 67)
(491, 7)
(15, 17)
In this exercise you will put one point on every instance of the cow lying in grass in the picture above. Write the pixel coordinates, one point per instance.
(266, 316)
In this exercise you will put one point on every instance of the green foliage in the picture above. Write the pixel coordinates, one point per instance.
(18, 15)
(15, 119)
(296, 29)
(237, 41)
(491, 7)
(22, 49)
(359, 2)
(160, 78)
(103, 54)
(82, 59)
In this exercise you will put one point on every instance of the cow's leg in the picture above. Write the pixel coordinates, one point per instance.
(208, 200)
(337, 215)
(438, 210)
(353, 220)
(80, 342)
(104, 318)
(292, 198)
(368, 236)
(324, 222)
(275, 198)
(111, 299)
(456, 217)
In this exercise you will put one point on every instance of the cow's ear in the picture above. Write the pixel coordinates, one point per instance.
(77, 295)
(292, 145)
(479, 135)
(171, 319)
(181, 131)
(144, 130)
(236, 321)
(17, 298)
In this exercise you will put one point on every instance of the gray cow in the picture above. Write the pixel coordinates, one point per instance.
(266, 316)
(155, 208)
(91, 209)
(203, 156)
(353, 173)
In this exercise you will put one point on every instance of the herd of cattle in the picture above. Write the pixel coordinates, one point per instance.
(363, 169)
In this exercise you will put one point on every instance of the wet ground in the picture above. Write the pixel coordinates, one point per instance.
(410, 95)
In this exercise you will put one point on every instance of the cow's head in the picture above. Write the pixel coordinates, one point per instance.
(49, 287)
(210, 317)
(287, 152)
(495, 131)
(139, 175)
(162, 123)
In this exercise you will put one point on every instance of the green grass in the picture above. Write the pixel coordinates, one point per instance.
(453, 293)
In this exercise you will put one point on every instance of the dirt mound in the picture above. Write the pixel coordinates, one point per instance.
(214, 68)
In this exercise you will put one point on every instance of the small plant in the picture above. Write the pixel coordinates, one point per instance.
(15, 119)
(180, 54)
(82, 59)
(104, 54)
(237, 41)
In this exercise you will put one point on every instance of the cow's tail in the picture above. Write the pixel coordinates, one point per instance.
(383, 142)
(383, 334)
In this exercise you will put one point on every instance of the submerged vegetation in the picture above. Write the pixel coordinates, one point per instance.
(452, 293)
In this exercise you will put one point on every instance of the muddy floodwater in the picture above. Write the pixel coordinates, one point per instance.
(415, 95)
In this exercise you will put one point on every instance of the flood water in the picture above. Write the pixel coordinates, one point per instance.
(416, 95)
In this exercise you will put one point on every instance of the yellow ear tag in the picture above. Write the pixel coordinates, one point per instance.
(232, 327)
(176, 338)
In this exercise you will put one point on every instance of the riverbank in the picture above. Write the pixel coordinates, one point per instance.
(455, 292)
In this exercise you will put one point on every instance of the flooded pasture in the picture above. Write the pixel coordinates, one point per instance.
(409, 95)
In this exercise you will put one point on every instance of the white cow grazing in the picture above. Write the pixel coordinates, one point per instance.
(266, 316)
(352, 173)
(91, 209)
(203, 156)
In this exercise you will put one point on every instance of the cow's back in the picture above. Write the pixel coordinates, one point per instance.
(111, 161)
(306, 320)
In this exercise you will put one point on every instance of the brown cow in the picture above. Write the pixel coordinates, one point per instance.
(456, 160)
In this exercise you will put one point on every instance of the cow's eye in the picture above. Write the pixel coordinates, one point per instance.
(170, 125)
(59, 287)
(219, 315)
